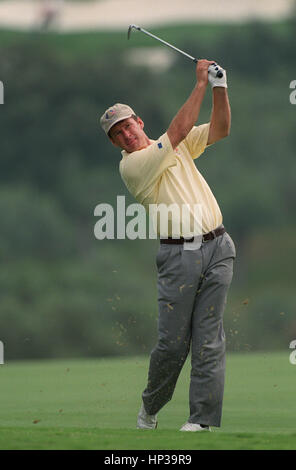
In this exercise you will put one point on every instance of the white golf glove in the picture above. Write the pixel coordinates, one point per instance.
(213, 79)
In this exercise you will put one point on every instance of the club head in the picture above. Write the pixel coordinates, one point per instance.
(131, 26)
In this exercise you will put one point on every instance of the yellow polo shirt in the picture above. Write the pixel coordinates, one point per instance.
(160, 174)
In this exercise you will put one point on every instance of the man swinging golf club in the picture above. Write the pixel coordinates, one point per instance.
(194, 272)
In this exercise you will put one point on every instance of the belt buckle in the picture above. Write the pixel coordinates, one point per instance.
(194, 244)
(188, 240)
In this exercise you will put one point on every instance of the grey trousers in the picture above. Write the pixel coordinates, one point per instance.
(192, 293)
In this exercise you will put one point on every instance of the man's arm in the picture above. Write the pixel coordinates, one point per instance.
(187, 116)
(221, 115)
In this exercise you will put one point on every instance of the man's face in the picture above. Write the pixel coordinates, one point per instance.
(129, 135)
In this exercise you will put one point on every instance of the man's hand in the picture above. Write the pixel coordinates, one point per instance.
(202, 69)
(214, 80)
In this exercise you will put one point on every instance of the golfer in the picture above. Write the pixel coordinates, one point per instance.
(194, 270)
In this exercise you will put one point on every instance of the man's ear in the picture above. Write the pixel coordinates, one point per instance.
(140, 122)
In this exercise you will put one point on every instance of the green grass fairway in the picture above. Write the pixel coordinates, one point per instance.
(92, 404)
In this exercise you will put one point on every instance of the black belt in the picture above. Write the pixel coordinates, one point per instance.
(205, 238)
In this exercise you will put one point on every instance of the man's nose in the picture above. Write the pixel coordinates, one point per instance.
(126, 133)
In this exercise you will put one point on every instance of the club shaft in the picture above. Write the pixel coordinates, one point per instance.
(219, 73)
(167, 44)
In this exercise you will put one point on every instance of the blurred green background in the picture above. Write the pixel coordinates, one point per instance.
(65, 294)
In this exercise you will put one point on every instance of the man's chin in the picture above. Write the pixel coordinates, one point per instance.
(136, 145)
(133, 147)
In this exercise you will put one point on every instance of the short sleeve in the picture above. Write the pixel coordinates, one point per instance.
(140, 170)
(196, 140)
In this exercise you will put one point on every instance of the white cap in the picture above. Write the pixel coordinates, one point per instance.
(116, 113)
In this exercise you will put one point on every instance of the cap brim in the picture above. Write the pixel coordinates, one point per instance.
(117, 121)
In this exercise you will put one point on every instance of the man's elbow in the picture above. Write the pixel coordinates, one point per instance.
(227, 131)
(223, 134)
(219, 134)
(224, 130)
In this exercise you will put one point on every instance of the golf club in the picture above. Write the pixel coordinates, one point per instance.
(134, 26)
